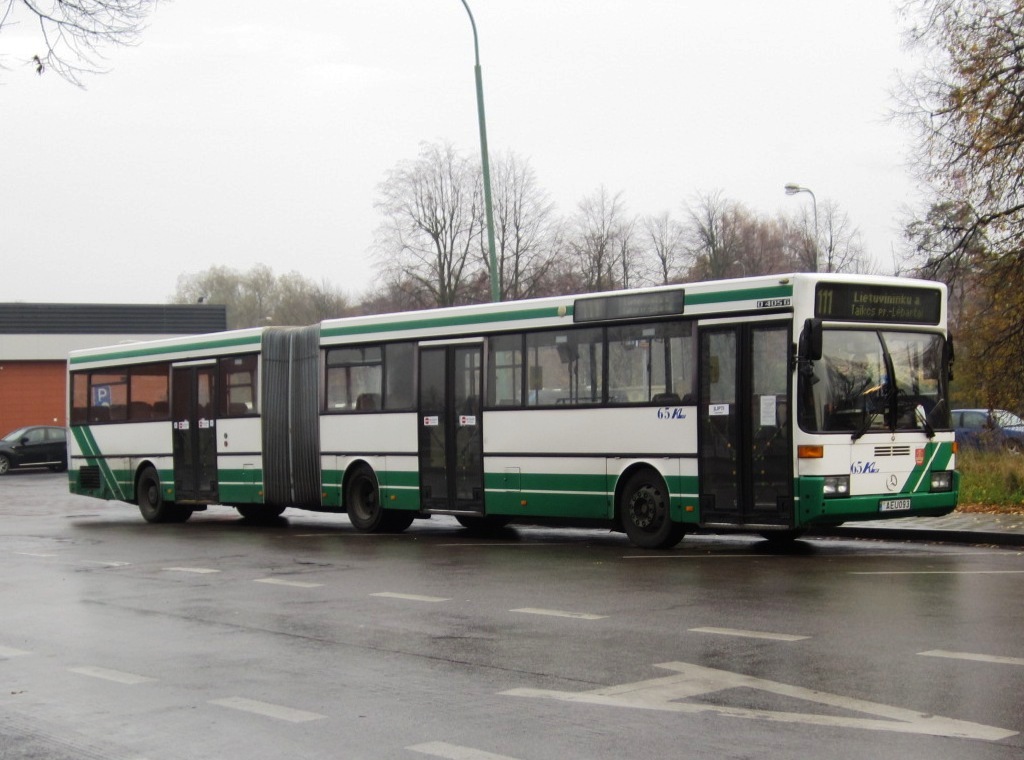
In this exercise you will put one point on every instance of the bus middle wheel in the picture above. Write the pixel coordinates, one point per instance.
(150, 499)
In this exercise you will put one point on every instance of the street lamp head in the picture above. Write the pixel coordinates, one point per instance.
(792, 188)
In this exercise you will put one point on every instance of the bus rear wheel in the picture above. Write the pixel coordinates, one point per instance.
(645, 515)
(150, 499)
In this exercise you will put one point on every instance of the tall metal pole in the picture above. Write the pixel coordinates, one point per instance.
(488, 208)
(792, 189)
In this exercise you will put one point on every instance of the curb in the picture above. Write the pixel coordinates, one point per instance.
(922, 534)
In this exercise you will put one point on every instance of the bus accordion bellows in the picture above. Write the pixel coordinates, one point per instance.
(770, 405)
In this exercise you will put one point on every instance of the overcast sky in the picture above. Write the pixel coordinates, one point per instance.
(257, 132)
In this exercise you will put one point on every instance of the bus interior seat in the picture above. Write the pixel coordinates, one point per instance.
(368, 402)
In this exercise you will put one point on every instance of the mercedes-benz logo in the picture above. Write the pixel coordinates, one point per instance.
(892, 482)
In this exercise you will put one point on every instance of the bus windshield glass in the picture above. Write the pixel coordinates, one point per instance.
(876, 380)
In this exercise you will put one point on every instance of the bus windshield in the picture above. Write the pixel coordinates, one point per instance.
(874, 381)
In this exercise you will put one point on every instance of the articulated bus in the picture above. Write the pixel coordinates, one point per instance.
(769, 405)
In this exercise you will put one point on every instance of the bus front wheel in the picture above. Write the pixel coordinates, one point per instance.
(150, 499)
(644, 511)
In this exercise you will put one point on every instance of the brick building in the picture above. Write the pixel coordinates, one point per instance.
(35, 339)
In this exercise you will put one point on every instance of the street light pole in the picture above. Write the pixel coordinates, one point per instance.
(488, 208)
(792, 189)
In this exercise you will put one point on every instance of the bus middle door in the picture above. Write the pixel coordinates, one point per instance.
(450, 428)
(195, 432)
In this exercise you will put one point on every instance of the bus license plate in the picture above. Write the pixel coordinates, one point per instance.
(893, 505)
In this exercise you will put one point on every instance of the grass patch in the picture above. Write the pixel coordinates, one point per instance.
(993, 479)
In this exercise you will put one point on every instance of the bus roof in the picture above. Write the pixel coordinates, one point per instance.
(752, 294)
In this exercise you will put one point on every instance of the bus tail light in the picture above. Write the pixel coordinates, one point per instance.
(810, 452)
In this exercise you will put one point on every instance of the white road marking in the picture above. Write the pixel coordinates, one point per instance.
(118, 676)
(190, 570)
(12, 652)
(411, 597)
(560, 613)
(455, 752)
(34, 554)
(694, 681)
(974, 657)
(282, 582)
(105, 564)
(696, 556)
(941, 572)
(751, 634)
(267, 709)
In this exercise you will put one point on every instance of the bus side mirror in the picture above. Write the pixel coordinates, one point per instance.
(810, 340)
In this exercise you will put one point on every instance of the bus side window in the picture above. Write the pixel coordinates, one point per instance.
(238, 386)
(351, 373)
(399, 374)
(651, 363)
(505, 371)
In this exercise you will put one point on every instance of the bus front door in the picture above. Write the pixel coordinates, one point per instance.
(450, 434)
(195, 433)
(745, 461)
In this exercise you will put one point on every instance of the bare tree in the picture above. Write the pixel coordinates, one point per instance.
(433, 221)
(598, 242)
(664, 238)
(73, 31)
(713, 237)
(258, 298)
(526, 231)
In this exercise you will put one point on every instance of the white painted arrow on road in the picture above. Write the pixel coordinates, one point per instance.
(694, 681)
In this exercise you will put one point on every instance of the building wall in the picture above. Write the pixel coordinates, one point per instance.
(32, 393)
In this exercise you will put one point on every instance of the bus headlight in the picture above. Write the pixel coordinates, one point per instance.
(942, 481)
(837, 486)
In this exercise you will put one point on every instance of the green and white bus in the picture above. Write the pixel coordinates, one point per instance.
(768, 404)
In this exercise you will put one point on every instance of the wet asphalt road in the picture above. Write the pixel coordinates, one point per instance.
(223, 639)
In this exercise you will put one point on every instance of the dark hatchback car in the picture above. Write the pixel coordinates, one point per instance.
(35, 446)
(989, 429)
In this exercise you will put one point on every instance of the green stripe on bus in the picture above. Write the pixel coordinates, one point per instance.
(91, 450)
(135, 353)
(937, 456)
(461, 320)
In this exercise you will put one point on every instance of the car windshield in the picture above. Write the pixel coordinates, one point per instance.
(875, 380)
(14, 435)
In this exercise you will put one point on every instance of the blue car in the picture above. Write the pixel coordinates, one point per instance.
(989, 429)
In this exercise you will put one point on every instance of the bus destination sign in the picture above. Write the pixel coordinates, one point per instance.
(877, 303)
